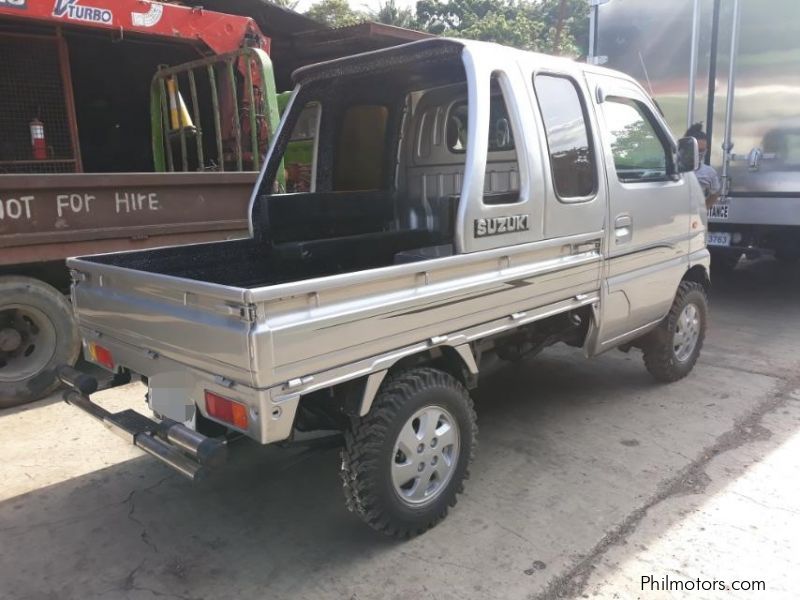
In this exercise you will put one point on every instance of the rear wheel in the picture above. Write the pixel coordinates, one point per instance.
(404, 464)
(37, 334)
(672, 349)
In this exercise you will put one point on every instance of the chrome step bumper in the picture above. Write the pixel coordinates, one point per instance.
(185, 450)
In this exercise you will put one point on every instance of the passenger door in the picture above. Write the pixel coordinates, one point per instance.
(649, 211)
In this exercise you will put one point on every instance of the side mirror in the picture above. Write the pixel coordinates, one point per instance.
(688, 155)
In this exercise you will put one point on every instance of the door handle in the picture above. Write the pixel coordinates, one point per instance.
(623, 229)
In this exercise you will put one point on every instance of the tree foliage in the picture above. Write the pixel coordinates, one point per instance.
(554, 26)
(290, 4)
(390, 14)
(335, 13)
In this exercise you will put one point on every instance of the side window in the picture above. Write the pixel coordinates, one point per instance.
(568, 137)
(501, 181)
(457, 128)
(791, 157)
(785, 144)
(425, 134)
(640, 154)
(500, 134)
(361, 149)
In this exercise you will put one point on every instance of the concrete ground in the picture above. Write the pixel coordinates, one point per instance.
(588, 477)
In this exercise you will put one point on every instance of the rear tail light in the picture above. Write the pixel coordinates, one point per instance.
(101, 356)
(226, 410)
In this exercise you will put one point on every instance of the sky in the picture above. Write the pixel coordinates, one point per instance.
(361, 4)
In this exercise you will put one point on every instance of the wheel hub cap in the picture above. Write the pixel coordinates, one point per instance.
(687, 332)
(10, 339)
(27, 342)
(425, 455)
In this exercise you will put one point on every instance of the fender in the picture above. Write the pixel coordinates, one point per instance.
(374, 380)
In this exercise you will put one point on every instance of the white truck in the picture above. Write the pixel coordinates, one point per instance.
(466, 199)
(732, 64)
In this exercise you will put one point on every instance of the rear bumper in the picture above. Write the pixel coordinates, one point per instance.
(183, 449)
(752, 224)
(755, 239)
(177, 390)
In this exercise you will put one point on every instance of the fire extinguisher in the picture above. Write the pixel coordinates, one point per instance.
(38, 142)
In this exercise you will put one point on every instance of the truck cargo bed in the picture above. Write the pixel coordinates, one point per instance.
(304, 241)
(250, 264)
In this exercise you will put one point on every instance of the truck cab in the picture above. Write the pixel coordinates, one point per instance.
(464, 199)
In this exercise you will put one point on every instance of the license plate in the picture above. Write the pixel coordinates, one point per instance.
(719, 239)
(719, 212)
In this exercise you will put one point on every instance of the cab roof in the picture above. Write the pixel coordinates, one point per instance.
(431, 49)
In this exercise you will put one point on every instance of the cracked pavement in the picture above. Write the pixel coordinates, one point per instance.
(588, 476)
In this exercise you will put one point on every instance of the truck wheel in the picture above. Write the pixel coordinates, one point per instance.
(37, 334)
(672, 349)
(404, 464)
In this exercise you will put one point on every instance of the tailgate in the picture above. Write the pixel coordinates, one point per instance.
(202, 325)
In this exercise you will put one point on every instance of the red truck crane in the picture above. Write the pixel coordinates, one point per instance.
(129, 124)
(217, 32)
(104, 147)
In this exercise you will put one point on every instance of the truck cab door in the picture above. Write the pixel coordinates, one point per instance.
(649, 212)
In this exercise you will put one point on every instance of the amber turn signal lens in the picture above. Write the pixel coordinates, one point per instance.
(226, 410)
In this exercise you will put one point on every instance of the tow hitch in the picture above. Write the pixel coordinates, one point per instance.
(185, 450)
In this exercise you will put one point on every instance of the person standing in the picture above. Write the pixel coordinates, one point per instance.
(706, 174)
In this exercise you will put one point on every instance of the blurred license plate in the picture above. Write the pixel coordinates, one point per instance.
(719, 239)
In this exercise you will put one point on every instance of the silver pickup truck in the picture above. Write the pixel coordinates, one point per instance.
(466, 199)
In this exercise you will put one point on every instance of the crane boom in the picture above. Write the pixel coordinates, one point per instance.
(219, 32)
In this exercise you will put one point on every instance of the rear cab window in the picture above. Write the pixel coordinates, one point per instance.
(361, 150)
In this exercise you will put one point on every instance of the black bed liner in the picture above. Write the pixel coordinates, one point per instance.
(297, 236)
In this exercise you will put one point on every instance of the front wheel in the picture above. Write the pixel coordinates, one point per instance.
(404, 464)
(672, 349)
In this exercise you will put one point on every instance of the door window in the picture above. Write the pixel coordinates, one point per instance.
(640, 153)
(571, 157)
